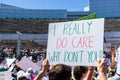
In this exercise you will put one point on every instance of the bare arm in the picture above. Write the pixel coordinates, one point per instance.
(102, 69)
(113, 64)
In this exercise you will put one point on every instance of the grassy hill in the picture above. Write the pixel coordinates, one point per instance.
(25, 26)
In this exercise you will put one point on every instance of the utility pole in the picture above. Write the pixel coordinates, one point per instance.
(18, 43)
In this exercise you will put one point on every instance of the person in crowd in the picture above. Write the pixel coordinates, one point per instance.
(3, 67)
(116, 76)
(60, 72)
(111, 73)
(116, 65)
(29, 74)
(22, 78)
(83, 73)
(79, 72)
(20, 73)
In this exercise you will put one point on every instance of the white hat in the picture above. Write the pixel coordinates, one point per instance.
(20, 73)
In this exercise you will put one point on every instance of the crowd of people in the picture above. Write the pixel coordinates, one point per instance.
(107, 68)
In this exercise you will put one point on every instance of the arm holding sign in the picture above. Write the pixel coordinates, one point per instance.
(102, 69)
(43, 71)
(113, 62)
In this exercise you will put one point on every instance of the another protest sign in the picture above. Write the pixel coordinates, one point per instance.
(26, 63)
(9, 61)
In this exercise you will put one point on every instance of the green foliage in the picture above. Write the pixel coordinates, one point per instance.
(90, 16)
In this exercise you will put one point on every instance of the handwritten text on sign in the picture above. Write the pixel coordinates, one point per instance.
(76, 42)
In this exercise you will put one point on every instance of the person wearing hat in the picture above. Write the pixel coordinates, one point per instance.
(29, 74)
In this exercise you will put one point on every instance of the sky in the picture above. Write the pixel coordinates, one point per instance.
(70, 5)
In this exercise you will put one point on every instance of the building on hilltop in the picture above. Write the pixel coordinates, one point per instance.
(8, 11)
(5, 6)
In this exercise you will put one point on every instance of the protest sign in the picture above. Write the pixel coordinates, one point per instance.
(6, 75)
(76, 42)
(26, 63)
(8, 61)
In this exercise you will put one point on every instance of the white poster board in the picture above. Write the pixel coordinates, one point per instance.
(26, 63)
(5, 75)
(76, 42)
(8, 61)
